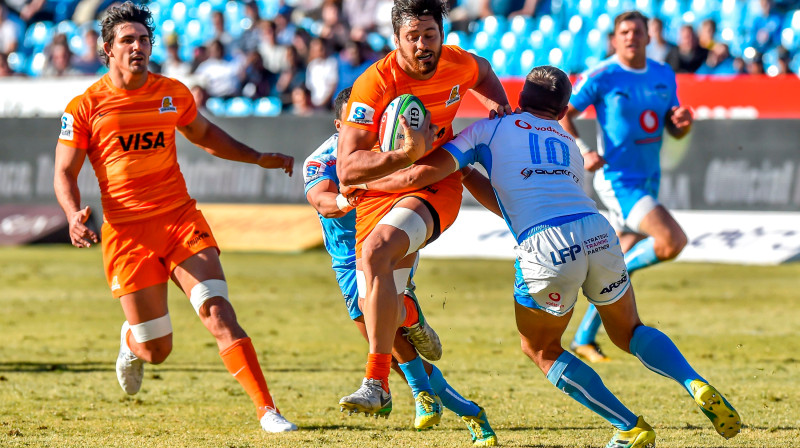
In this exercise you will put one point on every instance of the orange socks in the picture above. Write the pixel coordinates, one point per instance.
(412, 316)
(378, 366)
(241, 361)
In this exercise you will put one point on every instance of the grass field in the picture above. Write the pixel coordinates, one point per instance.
(59, 328)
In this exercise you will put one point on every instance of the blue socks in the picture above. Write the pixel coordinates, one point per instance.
(450, 398)
(587, 331)
(580, 382)
(416, 376)
(658, 353)
(641, 255)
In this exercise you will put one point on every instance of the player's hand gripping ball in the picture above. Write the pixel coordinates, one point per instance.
(390, 133)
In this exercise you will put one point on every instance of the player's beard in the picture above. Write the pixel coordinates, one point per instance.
(422, 67)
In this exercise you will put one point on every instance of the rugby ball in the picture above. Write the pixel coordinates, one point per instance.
(390, 133)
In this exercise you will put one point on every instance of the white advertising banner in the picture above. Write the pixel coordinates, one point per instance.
(765, 238)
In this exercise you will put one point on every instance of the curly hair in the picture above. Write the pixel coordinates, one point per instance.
(127, 12)
(404, 10)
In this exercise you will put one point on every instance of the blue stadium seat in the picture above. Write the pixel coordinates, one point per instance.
(37, 63)
(501, 63)
(203, 13)
(494, 25)
(527, 61)
(596, 44)
(179, 15)
(67, 28)
(17, 62)
(216, 106)
(458, 38)
(376, 41)
(234, 13)
(483, 44)
(239, 107)
(647, 7)
(731, 14)
(706, 9)
(195, 33)
(268, 8)
(268, 107)
(521, 25)
(37, 36)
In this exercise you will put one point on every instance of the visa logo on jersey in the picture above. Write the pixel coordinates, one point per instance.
(142, 141)
(564, 253)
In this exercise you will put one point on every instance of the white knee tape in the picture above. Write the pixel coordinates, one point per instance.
(152, 329)
(409, 222)
(205, 290)
(401, 277)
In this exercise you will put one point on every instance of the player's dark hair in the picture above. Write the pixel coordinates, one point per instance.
(341, 102)
(547, 89)
(404, 10)
(127, 12)
(630, 15)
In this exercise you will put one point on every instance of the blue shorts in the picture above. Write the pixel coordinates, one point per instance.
(628, 203)
(347, 284)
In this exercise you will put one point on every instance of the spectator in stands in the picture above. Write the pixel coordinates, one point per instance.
(756, 65)
(174, 66)
(705, 36)
(334, 29)
(257, 81)
(688, 56)
(200, 55)
(301, 102)
(511, 8)
(352, 63)
(284, 28)
(5, 69)
(251, 37)
(294, 75)
(719, 62)
(784, 59)
(767, 27)
(658, 48)
(322, 73)
(220, 34)
(31, 11)
(273, 54)
(739, 65)
(59, 62)
(9, 32)
(221, 77)
(302, 42)
(89, 62)
(361, 15)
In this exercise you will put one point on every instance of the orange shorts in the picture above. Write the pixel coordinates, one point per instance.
(443, 199)
(144, 253)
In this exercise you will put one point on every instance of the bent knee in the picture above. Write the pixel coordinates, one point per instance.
(380, 254)
(671, 246)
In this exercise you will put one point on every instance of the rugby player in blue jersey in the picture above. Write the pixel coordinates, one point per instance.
(635, 100)
(564, 244)
(339, 229)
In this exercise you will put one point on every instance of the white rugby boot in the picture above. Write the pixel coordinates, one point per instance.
(130, 369)
(272, 421)
(421, 335)
(370, 399)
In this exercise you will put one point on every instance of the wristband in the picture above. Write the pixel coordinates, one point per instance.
(584, 148)
(342, 203)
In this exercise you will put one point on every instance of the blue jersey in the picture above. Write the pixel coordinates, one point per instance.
(631, 107)
(339, 233)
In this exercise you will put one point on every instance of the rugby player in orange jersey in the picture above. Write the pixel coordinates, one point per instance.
(126, 123)
(390, 228)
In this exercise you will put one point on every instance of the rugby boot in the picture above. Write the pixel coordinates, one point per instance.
(478, 425)
(640, 436)
(590, 352)
(273, 421)
(370, 399)
(429, 410)
(421, 335)
(130, 369)
(722, 415)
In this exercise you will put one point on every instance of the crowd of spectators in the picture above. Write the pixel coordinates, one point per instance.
(306, 66)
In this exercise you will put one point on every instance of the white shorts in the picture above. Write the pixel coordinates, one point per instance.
(553, 263)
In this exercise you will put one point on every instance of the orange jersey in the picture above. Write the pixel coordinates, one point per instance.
(129, 136)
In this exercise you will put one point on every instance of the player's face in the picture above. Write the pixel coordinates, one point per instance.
(130, 50)
(630, 40)
(419, 46)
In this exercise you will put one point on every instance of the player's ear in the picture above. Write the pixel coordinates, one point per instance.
(337, 123)
(396, 41)
(563, 113)
(107, 49)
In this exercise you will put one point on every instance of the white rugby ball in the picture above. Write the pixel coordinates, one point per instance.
(390, 133)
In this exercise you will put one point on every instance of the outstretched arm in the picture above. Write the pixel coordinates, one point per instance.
(489, 90)
(325, 198)
(68, 165)
(219, 143)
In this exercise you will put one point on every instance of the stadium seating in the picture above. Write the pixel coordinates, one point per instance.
(268, 107)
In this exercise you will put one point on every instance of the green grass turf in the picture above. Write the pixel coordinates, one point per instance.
(59, 329)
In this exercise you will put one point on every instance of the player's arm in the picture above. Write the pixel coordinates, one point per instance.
(592, 160)
(678, 121)
(481, 189)
(219, 143)
(426, 171)
(358, 164)
(489, 90)
(68, 165)
(325, 198)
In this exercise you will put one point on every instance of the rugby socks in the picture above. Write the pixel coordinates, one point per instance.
(590, 324)
(450, 398)
(416, 376)
(378, 366)
(412, 315)
(241, 361)
(641, 255)
(580, 382)
(658, 353)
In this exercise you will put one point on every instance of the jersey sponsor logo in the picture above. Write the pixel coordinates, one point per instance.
(522, 124)
(313, 168)
(563, 254)
(454, 96)
(167, 105)
(198, 236)
(526, 173)
(115, 283)
(361, 113)
(67, 120)
(558, 173)
(649, 121)
(554, 296)
(616, 284)
(554, 131)
(142, 141)
(596, 244)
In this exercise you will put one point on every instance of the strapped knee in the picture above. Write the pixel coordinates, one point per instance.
(206, 290)
(400, 275)
(409, 222)
(152, 329)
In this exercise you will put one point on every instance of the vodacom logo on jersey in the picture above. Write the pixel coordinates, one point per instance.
(649, 121)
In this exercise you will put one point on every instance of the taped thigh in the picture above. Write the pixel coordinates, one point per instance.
(152, 329)
(409, 222)
(206, 290)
